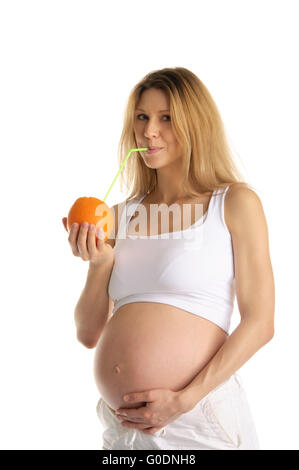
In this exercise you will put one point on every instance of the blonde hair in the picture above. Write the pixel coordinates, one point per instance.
(207, 160)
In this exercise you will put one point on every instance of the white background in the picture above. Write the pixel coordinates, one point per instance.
(67, 68)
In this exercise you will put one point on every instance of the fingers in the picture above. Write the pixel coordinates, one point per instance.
(81, 241)
(64, 221)
(91, 241)
(73, 234)
(85, 243)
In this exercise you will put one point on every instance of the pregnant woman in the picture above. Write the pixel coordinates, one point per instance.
(160, 292)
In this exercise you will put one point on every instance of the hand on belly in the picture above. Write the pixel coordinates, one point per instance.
(149, 346)
(162, 407)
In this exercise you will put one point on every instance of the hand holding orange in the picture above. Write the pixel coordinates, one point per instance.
(91, 210)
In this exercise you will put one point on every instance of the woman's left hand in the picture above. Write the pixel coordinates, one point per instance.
(162, 407)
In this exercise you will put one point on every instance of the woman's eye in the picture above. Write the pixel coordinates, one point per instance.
(165, 115)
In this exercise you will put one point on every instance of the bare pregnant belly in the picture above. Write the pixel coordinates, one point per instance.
(148, 345)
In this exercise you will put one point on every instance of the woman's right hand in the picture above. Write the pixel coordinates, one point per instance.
(86, 244)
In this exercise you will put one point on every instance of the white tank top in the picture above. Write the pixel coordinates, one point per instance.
(194, 272)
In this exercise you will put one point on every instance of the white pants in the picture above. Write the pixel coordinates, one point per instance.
(220, 421)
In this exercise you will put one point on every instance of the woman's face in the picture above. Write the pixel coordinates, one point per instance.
(153, 128)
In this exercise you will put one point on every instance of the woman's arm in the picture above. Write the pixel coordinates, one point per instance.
(255, 294)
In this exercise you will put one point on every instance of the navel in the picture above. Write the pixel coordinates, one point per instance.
(116, 369)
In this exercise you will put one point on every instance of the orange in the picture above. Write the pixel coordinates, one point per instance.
(91, 210)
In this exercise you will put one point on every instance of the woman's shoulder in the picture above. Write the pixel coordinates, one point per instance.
(240, 199)
(235, 191)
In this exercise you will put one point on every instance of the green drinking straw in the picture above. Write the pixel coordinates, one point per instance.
(123, 164)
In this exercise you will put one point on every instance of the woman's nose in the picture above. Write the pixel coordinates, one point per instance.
(151, 131)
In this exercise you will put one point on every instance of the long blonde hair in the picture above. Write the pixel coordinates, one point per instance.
(207, 160)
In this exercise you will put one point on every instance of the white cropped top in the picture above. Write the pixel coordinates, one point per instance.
(194, 272)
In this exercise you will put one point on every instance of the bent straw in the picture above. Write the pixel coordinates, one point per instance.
(123, 164)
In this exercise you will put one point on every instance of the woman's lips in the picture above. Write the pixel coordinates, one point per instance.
(153, 151)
